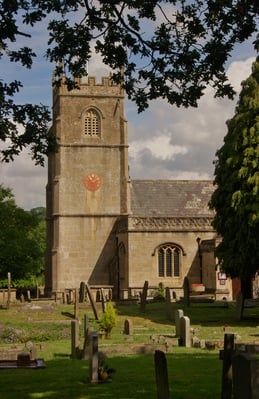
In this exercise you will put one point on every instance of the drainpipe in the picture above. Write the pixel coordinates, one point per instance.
(200, 257)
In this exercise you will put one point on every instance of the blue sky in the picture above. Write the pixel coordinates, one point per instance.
(165, 142)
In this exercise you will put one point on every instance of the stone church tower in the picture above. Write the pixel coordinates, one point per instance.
(87, 190)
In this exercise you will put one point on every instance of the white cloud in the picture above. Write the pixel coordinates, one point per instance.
(165, 142)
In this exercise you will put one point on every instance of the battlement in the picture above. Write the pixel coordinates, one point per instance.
(89, 85)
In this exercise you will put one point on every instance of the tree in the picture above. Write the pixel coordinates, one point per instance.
(236, 198)
(22, 240)
(170, 49)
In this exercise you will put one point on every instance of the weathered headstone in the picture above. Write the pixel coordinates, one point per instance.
(82, 292)
(94, 360)
(168, 302)
(87, 333)
(161, 375)
(245, 376)
(185, 333)
(128, 327)
(74, 339)
(186, 291)
(177, 316)
(226, 382)
(89, 293)
(239, 306)
(143, 297)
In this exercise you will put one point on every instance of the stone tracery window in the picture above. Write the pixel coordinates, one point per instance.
(92, 123)
(168, 261)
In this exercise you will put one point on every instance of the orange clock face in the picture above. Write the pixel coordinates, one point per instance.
(92, 182)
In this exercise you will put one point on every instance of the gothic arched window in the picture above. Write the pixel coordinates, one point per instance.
(169, 261)
(92, 123)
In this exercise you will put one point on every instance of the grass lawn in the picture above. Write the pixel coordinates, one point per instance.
(194, 373)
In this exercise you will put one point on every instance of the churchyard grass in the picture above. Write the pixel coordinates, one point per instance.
(194, 373)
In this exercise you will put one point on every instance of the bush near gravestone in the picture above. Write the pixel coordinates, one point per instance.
(159, 294)
(108, 319)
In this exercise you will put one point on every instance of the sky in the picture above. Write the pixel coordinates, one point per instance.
(165, 142)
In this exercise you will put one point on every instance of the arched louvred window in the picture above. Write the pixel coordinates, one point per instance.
(92, 123)
(169, 261)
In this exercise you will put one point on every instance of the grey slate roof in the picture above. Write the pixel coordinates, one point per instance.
(181, 198)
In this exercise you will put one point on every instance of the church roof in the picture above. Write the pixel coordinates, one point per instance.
(181, 198)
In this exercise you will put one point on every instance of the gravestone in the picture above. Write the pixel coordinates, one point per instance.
(161, 375)
(87, 333)
(177, 316)
(239, 306)
(143, 297)
(23, 359)
(128, 327)
(226, 381)
(74, 339)
(245, 376)
(185, 333)
(186, 291)
(168, 303)
(89, 293)
(94, 359)
(82, 292)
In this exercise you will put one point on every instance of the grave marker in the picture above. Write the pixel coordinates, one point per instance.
(177, 316)
(128, 327)
(74, 339)
(89, 293)
(94, 361)
(161, 375)
(143, 297)
(226, 384)
(185, 337)
(82, 292)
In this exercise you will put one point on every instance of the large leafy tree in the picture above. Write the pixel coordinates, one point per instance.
(170, 49)
(236, 198)
(22, 239)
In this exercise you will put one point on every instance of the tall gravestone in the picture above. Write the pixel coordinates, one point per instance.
(74, 339)
(162, 383)
(143, 298)
(226, 381)
(168, 304)
(94, 359)
(185, 336)
(177, 316)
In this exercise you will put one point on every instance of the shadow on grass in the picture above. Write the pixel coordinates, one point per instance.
(205, 314)
(192, 375)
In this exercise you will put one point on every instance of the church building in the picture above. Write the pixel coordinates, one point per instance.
(109, 230)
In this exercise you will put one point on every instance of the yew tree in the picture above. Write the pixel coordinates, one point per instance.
(170, 49)
(236, 198)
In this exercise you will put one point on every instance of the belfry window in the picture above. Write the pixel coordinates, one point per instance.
(168, 261)
(92, 123)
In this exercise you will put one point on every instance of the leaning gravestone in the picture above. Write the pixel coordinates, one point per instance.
(143, 298)
(89, 293)
(161, 375)
(177, 316)
(226, 380)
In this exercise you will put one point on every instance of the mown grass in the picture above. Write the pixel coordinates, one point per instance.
(194, 373)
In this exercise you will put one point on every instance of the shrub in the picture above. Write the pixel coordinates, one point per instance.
(108, 319)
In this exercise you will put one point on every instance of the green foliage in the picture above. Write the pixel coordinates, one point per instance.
(159, 294)
(158, 49)
(108, 319)
(22, 240)
(236, 198)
